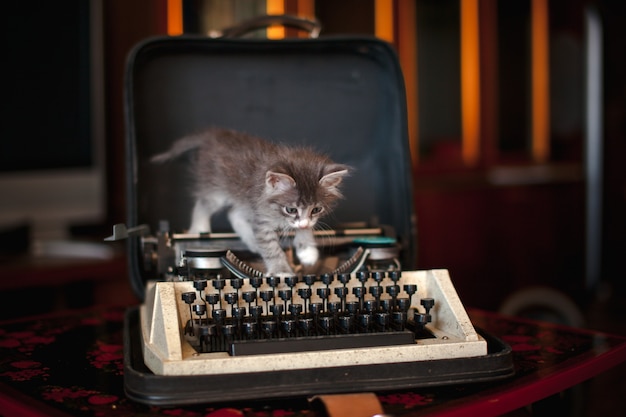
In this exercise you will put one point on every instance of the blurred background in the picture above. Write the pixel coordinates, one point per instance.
(517, 127)
(516, 116)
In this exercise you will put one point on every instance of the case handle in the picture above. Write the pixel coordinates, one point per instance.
(312, 26)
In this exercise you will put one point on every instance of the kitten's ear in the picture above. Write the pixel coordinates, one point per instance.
(275, 181)
(334, 178)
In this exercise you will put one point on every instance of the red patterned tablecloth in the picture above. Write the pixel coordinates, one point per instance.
(72, 364)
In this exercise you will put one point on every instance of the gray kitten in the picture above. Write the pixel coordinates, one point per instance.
(266, 188)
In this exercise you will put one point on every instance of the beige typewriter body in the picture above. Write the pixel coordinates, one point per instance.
(167, 352)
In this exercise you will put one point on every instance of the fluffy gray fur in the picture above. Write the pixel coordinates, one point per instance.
(265, 187)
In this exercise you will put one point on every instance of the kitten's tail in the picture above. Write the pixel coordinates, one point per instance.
(179, 147)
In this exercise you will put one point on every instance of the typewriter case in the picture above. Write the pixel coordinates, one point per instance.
(342, 95)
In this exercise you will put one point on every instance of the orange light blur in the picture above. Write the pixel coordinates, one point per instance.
(383, 20)
(407, 53)
(275, 7)
(470, 81)
(174, 17)
(540, 82)
(306, 8)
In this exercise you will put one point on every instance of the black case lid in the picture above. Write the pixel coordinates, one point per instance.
(343, 96)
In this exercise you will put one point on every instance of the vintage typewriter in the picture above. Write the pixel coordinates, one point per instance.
(212, 326)
(357, 319)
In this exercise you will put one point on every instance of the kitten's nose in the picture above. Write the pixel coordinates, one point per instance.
(302, 224)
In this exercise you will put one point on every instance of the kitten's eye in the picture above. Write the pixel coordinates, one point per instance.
(291, 210)
(316, 210)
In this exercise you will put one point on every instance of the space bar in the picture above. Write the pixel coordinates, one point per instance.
(313, 343)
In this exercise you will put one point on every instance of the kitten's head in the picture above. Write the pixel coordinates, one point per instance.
(300, 197)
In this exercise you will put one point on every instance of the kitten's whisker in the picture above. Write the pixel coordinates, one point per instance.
(326, 240)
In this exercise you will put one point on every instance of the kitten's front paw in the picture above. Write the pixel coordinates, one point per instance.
(308, 255)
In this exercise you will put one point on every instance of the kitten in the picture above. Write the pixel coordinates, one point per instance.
(266, 188)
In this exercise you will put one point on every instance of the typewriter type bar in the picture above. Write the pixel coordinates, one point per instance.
(261, 324)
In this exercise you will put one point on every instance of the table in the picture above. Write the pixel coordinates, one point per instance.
(71, 364)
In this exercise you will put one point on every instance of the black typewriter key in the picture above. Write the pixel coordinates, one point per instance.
(236, 283)
(276, 310)
(305, 294)
(382, 321)
(309, 279)
(352, 307)
(269, 329)
(376, 291)
(325, 324)
(420, 319)
(344, 278)
(250, 329)
(272, 281)
(393, 291)
(395, 276)
(295, 310)
(410, 289)
(316, 309)
(403, 304)
(285, 295)
(327, 279)
(219, 315)
(200, 284)
(205, 333)
(334, 307)
(249, 297)
(386, 305)
(232, 298)
(364, 322)
(342, 293)
(212, 299)
(256, 282)
(307, 326)
(189, 298)
(362, 276)
(256, 312)
(345, 323)
(359, 293)
(219, 284)
(399, 319)
(377, 276)
(239, 313)
(200, 310)
(229, 331)
(428, 304)
(323, 293)
(291, 281)
(369, 306)
(267, 296)
(288, 327)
